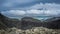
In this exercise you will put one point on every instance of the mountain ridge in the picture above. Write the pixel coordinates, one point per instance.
(29, 22)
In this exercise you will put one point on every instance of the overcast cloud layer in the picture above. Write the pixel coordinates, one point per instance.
(13, 8)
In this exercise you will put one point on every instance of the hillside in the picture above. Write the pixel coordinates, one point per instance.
(54, 22)
(28, 25)
(7, 22)
(29, 22)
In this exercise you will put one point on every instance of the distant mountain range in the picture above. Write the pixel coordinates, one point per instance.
(28, 22)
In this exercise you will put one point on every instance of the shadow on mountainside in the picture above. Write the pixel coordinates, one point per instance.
(28, 23)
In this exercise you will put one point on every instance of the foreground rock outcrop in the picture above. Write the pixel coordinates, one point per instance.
(34, 30)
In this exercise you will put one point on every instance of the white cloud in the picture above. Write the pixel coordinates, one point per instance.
(52, 12)
(48, 6)
(15, 12)
(50, 9)
(33, 12)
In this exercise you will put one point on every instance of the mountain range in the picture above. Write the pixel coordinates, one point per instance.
(28, 22)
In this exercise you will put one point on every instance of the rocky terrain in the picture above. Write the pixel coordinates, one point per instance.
(26, 24)
(34, 30)
(7, 22)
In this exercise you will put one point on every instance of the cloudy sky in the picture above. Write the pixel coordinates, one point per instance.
(32, 8)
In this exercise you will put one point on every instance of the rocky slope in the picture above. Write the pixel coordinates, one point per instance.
(29, 22)
(34, 30)
(7, 22)
(54, 22)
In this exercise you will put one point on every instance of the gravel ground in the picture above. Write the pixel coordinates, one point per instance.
(34, 30)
